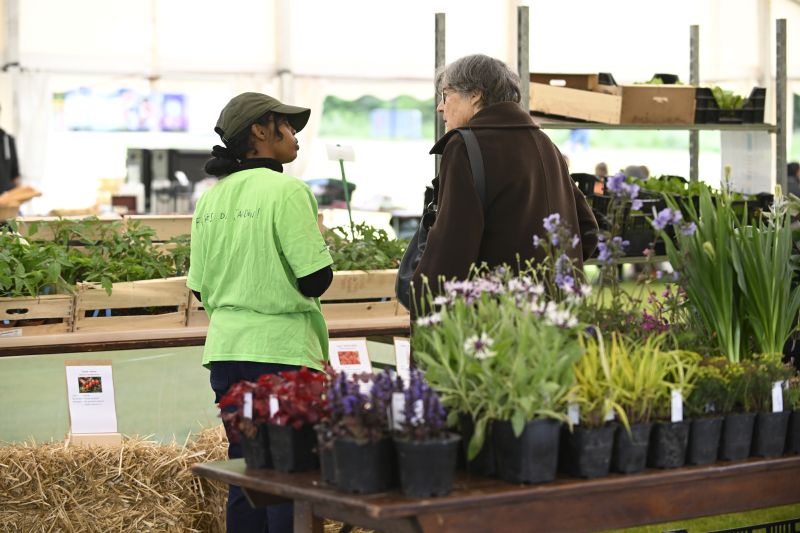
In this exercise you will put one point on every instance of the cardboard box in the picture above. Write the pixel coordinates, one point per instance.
(578, 96)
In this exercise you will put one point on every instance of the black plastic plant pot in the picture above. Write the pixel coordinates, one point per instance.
(704, 435)
(256, 450)
(483, 464)
(530, 458)
(630, 449)
(586, 452)
(293, 450)
(325, 449)
(793, 433)
(427, 467)
(668, 442)
(364, 468)
(737, 435)
(769, 436)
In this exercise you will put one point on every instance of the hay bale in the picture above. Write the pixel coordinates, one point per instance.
(139, 485)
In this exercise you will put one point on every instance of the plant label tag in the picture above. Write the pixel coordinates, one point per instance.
(16, 332)
(402, 358)
(273, 405)
(338, 152)
(610, 415)
(350, 356)
(398, 410)
(574, 413)
(777, 397)
(248, 405)
(677, 406)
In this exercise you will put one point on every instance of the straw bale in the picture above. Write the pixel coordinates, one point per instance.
(139, 485)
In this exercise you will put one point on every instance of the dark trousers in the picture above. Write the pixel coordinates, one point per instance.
(242, 518)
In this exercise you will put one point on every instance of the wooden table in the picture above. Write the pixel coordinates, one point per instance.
(190, 336)
(487, 505)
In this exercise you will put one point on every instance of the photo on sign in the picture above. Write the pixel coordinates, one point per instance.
(90, 384)
(349, 357)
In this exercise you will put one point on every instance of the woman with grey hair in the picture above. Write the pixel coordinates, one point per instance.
(526, 178)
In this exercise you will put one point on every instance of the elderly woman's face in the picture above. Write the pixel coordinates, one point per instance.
(457, 108)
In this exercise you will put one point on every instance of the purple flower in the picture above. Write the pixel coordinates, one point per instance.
(552, 222)
(614, 183)
(663, 218)
(536, 241)
(689, 229)
(659, 274)
(575, 241)
(636, 205)
(631, 190)
(604, 252)
(554, 239)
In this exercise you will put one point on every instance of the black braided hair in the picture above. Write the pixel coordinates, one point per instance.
(227, 159)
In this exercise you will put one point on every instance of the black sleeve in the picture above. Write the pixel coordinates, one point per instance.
(314, 285)
(197, 295)
(14, 161)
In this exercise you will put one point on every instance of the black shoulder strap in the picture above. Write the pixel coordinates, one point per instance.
(475, 162)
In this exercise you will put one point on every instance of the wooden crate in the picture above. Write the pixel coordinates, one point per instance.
(44, 225)
(27, 316)
(361, 296)
(166, 226)
(131, 295)
(196, 313)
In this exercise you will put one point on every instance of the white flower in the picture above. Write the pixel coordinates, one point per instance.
(479, 347)
(537, 290)
(441, 300)
(586, 290)
(538, 307)
(429, 320)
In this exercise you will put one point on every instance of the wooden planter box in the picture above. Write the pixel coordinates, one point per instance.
(42, 315)
(132, 301)
(356, 297)
(165, 226)
(361, 296)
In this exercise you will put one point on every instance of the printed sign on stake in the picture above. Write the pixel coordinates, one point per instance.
(349, 355)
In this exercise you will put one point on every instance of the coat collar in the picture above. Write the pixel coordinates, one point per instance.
(505, 115)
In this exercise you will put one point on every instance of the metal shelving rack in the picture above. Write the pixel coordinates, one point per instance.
(779, 128)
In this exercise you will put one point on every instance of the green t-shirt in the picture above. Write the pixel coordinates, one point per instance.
(253, 234)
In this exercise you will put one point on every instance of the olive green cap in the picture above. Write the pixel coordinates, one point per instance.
(244, 109)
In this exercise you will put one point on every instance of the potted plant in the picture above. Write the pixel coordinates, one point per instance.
(586, 447)
(704, 409)
(769, 436)
(245, 411)
(301, 405)
(426, 451)
(669, 440)
(639, 371)
(363, 454)
(740, 418)
(791, 402)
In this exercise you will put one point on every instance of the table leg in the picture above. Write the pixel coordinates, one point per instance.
(304, 519)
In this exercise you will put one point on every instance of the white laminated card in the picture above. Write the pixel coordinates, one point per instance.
(349, 355)
(677, 406)
(402, 358)
(90, 396)
(777, 397)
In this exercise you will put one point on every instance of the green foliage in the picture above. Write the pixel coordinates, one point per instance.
(727, 99)
(180, 250)
(711, 389)
(372, 249)
(595, 389)
(26, 269)
(791, 394)
(709, 279)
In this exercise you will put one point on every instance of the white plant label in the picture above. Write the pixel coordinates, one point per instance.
(398, 410)
(610, 415)
(677, 406)
(402, 358)
(777, 397)
(574, 413)
(273, 405)
(248, 405)
(16, 332)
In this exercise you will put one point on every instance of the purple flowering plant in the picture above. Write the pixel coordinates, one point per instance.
(354, 413)
(424, 417)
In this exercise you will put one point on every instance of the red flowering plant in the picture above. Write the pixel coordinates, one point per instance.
(232, 406)
(301, 398)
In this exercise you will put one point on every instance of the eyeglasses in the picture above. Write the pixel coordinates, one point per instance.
(445, 93)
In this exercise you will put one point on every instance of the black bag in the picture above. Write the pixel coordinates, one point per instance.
(416, 246)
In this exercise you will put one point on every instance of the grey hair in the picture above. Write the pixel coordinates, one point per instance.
(495, 81)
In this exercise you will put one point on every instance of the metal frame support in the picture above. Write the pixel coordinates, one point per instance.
(780, 104)
(694, 79)
(523, 56)
(439, 63)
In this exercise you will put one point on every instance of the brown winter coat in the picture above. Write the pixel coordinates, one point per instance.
(526, 180)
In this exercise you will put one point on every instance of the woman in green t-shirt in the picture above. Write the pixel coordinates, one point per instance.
(259, 265)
